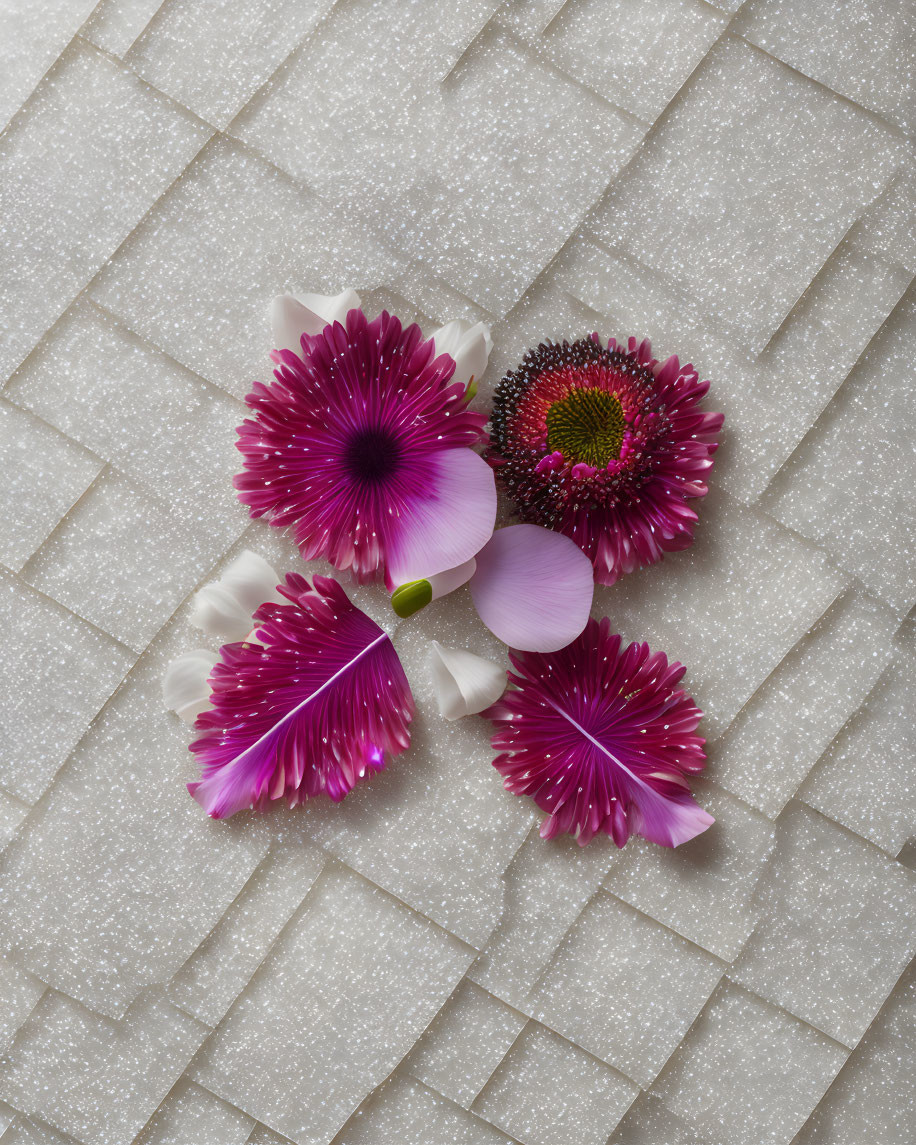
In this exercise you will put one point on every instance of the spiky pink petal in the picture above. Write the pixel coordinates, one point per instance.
(602, 739)
(359, 445)
(312, 708)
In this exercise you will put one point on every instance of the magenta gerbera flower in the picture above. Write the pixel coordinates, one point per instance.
(605, 445)
(602, 739)
(309, 704)
(362, 444)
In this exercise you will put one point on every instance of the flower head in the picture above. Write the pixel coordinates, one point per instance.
(362, 444)
(602, 739)
(605, 445)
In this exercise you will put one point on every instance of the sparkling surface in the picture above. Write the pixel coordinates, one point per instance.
(838, 927)
(631, 1010)
(738, 190)
(748, 1072)
(328, 1016)
(547, 1089)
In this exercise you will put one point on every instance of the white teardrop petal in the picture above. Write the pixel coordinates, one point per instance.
(469, 346)
(464, 682)
(291, 316)
(184, 687)
(331, 308)
(225, 608)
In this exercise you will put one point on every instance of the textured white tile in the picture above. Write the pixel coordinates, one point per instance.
(261, 1135)
(32, 36)
(864, 50)
(874, 1096)
(633, 1009)
(492, 127)
(254, 38)
(787, 724)
(118, 876)
(7, 1116)
(138, 409)
(192, 1116)
(124, 561)
(56, 672)
(748, 1073)
(406, 1112)
(848, 484)
(465, 1043)
(93, 151)
(838, 926)
(702, 889)
(19, 994)
(548, 1090)
(888, 227)
(115, 24)
(547, 885)
(747, 186)
(41, 475)
(730, 607)
(648, 1122)
(647, 50)
(94, 1077)
(865, 779)
(221, 967)
(25, 1132)
(12, 813)
(329, 1015)
(528, 18)
(198, 276)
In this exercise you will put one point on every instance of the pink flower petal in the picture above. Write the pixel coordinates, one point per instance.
(533, 588)
(449, 523)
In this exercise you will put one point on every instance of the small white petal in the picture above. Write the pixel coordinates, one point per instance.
(470, 347)
(225, 608)
(464, 682)
(291, 316)
(184, 687)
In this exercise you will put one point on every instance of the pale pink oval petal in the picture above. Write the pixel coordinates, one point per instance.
(449, 523)
(533, 588)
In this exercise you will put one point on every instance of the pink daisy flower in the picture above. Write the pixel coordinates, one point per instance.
(362, 444)
(602, 739)
(605, 445)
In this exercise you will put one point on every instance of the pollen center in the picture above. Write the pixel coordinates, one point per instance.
(372, 455)
(587, 425)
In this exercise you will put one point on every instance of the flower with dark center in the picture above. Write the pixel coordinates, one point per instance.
(362, 444)
(606, 445)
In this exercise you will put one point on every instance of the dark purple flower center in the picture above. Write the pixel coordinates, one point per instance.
(372, 455)
(587, 425)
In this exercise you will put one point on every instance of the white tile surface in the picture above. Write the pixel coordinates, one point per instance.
(95, 1078)
(86, 159)
(465, 1043)
(838, 927)
(708, 199)
(328, 1016)
(42, 474)
(631, 1010)
(847, 484)
(748, 1072)
(788, 723)
(547, 1090)
(862, 50)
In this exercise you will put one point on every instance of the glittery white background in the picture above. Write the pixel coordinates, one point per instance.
(415, 965)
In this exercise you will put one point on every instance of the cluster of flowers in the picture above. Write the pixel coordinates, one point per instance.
(365, 445)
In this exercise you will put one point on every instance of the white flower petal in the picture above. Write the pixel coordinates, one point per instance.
(184, 687)
(445, 582)
(225, 608)
(291, 316)
(470, 347)
(464, 682)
